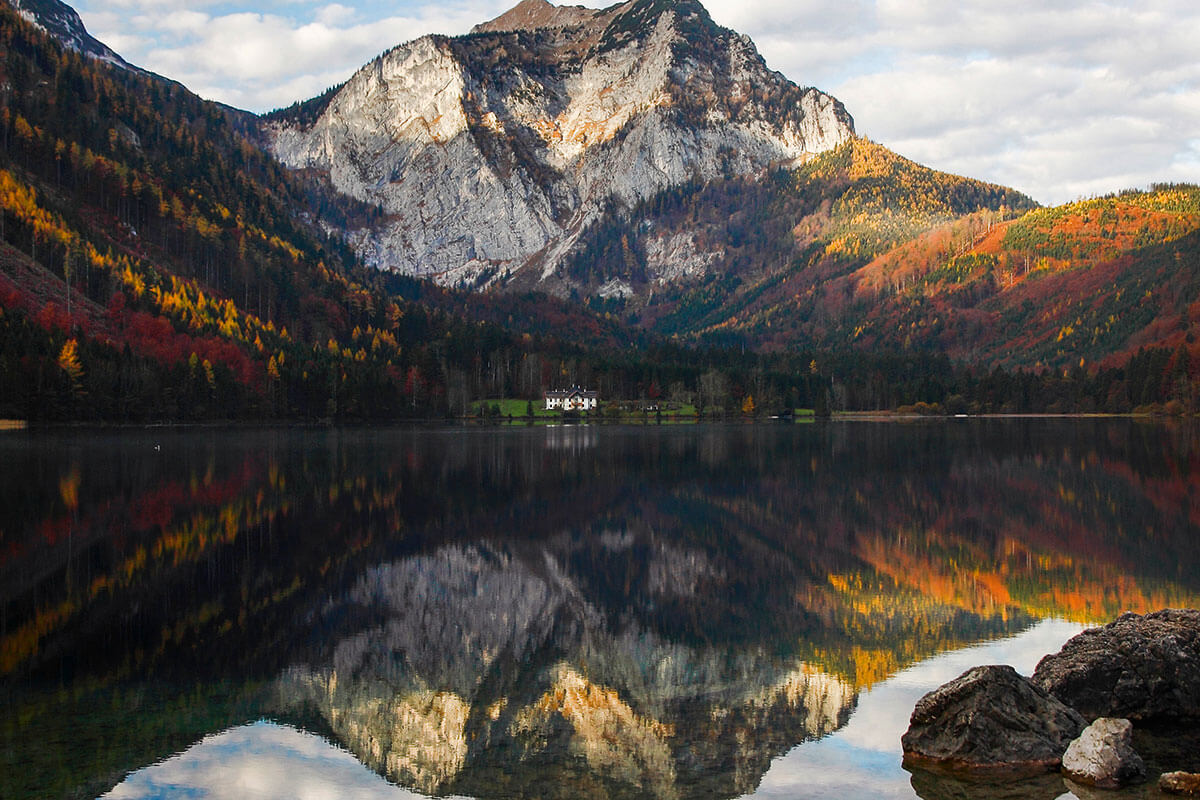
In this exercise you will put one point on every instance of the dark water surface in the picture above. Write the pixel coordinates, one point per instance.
(677, 612)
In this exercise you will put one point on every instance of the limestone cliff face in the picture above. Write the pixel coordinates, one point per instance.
(490, 152)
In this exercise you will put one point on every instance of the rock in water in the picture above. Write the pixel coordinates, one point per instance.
(1184, 783)
(990, 718)
(1103, 755)
(1135, 667)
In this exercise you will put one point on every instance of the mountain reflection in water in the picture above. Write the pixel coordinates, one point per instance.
(573, 611)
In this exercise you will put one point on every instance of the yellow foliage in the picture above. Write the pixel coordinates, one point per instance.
(23, 642)
(872, 666)
(68, 360)
(68, 489)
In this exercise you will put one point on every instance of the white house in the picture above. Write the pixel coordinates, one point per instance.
(573, 399)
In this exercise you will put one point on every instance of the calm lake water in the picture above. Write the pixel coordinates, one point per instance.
(675, 612)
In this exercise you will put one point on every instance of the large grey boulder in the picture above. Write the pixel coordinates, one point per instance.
(1136, 667)
(990, 718)
(1103, 755)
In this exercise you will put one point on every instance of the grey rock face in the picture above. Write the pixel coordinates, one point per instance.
(1184, 783)
(1136, 667)
(491, 153)
(63, 23)
(1103, 755)
(990, 718)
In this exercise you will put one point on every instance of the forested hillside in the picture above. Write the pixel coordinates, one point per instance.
(752, 253)
(862, 251)
(1090, 282)
(157, 263)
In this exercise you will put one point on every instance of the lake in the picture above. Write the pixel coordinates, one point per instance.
(572, 611)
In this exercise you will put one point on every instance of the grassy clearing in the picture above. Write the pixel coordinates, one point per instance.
(516, 407)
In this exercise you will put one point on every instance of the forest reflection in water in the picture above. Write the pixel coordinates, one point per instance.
(549, 611)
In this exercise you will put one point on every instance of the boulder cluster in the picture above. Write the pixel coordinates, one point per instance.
(1075, 714)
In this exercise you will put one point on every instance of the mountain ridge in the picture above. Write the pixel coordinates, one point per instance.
(491, 151)
(63, 23)
(534, 14)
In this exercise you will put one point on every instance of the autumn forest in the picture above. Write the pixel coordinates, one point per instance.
(158, 265)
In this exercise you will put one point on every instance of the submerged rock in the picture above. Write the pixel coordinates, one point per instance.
(1103, 755)
(1184, 783)
(1136, 667)
(990, 718)
(939, 785)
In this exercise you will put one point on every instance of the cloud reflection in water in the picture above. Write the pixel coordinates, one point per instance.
(863, 758)
(260, 761)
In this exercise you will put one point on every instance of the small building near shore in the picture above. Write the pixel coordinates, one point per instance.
(573, 399)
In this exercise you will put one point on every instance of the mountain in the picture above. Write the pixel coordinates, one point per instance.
(874, 253)
(644, 161)
(63, 23)
(638, 158)
(492, 153)
(157, 262)
(1093, 281)
(759, 260)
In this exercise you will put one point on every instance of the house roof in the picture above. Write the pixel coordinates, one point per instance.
(571, 392)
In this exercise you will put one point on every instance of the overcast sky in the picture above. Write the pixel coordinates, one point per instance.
(1059, 100)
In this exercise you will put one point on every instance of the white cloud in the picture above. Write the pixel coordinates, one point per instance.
(335, 13)
(181, 22)
(259, 60)
(145, 5)
(1060, 100)
(1053, 99)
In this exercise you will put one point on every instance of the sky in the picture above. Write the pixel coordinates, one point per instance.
(1060, 100)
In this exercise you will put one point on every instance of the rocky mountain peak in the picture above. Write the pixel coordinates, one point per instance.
(529, 15)
(492, 152)
(596, 30)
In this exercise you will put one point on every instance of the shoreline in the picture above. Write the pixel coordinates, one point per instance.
(19, 425)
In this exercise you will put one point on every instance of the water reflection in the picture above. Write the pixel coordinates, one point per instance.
(481, 658)
(572, 438)
(260, 761)
(579, 610)
(861, 759)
